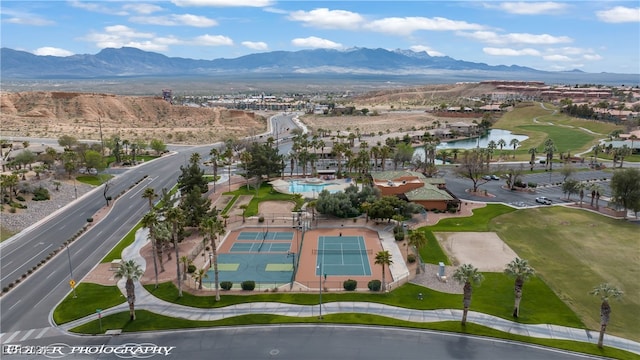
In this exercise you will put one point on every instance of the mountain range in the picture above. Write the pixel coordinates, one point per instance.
(130, 62)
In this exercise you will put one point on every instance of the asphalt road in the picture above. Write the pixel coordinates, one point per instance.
(295, 342)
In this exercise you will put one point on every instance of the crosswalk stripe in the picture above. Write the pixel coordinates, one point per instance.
(44, 330)
(11, 337)
(27, 334)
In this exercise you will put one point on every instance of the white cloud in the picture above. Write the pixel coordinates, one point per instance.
(24, 18)
(52, 51)
(516, 38)
(97, 7)
(224, 3)
(407, 25)
(510, 52)
(328, 19)
(175, 20)
(532, 8)
(142, 8)
(256, 45)
(592, 57)
(316, 42)
(619, 14)
(427, 49)
(213, 40)
(557, 57)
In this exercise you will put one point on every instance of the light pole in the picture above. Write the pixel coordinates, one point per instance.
(71, 281)
(320, 286)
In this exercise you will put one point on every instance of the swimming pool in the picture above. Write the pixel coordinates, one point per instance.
(296, 186)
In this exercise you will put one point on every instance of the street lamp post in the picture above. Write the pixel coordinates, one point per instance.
(71, 273)
(320, 286)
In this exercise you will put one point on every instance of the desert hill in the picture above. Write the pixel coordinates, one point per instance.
(52, 114)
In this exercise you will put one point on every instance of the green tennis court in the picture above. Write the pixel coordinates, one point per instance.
(265, 235)
(264, 247)
(342, 255)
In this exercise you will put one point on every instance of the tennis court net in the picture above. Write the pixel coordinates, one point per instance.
(342, 251)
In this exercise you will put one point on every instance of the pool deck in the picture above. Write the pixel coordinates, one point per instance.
(331, 185)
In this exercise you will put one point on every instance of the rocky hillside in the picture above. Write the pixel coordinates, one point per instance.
(52, 114)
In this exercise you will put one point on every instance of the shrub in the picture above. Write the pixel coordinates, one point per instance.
(5, 289)
(12, 210)
(261, 219)
(350, 284)
(248, 285)
(90, 220)
(226, 285)
(191, 269)
(19, 198)
(374, 285)
(41, 194)
(411, 258)
(532, 185)
(398, 232)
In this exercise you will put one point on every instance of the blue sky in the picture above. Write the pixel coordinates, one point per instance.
(593, 36)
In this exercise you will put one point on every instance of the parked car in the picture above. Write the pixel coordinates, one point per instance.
(487, 177)
(495, 177)
(543, 200)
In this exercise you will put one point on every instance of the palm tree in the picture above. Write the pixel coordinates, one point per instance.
(149, 194)
(150, 221)
(501, 144)
(200, 275)
(605, 291)
(185, 266)
(416, 239)
(215, 156)
(383, 258)
(521, 271)
(549, 149)
(467, 274)
(131, 271)
(212, 227)
(175, 216)
(533, 152)
(514, 143)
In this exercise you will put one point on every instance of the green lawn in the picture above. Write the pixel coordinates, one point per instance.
(146, 321)
(494, 297)
(116, 252)
(573, 251)
(95, 180)
(90, 297)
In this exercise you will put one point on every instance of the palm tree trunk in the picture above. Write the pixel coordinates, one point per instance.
(466, 302)
(131, 298)
(215, 267)
(383, 288)
(518, 296)
(153, 255)
(175, 245)
(605, 312)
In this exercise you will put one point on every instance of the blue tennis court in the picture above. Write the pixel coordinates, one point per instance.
(342, 255)
(265, 235)
(265, 247)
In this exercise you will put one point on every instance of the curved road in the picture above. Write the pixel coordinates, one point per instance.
(295, 342)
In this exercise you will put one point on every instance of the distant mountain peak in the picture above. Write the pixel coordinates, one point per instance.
(356, 61)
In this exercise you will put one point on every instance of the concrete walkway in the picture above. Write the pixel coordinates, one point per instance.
(146, 301)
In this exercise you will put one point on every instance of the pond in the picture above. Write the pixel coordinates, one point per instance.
(494, 134)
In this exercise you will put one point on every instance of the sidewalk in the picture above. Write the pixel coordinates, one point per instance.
(146, 301)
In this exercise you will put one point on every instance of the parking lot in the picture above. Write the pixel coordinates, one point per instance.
(549, 184)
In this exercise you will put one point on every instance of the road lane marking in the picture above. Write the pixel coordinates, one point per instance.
(27, 334)
(42, 332)
(31, 258)
(11, 337)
